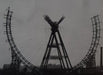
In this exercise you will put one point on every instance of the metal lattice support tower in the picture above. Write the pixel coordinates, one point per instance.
(89, 59)
(17, 57)
(55, 42)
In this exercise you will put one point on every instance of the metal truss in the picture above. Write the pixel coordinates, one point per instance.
(89, 59)
(55, 41)
(17, 57)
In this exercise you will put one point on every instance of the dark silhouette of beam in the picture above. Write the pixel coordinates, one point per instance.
(101, 56)
(47, 18)
(62, 18)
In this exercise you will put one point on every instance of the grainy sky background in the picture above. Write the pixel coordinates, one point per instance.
(31, 32)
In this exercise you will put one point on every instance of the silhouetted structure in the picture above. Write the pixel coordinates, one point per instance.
(101, 57)
(89, 60)
(17, 58)
(55, 41)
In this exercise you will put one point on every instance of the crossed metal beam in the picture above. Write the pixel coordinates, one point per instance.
(54, 25)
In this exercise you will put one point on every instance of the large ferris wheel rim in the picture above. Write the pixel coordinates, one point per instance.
(94, 43)
(91, 51)
(12, 44)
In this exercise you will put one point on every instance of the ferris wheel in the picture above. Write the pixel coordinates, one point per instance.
(18, 58)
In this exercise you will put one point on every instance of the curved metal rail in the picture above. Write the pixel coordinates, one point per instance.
(17, 57)
(89, 59)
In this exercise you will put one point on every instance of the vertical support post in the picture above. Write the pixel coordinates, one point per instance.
(56, 42)
(101, 56)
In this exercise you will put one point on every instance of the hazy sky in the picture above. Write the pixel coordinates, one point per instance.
(31, 32)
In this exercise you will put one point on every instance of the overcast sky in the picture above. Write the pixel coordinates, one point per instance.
(31, 32)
